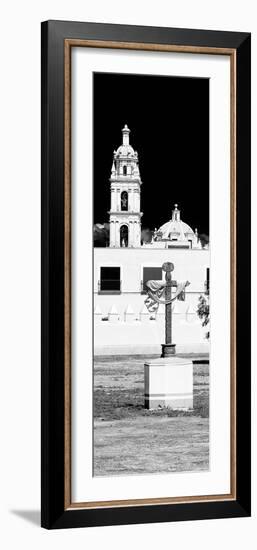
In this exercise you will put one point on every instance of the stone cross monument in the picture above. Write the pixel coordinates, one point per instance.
(169, 379)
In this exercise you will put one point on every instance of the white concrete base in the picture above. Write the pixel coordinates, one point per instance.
(169, 383)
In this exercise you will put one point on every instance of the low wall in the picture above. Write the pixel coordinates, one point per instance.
(146, 336)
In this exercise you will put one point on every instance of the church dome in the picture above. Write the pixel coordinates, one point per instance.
(175, 229)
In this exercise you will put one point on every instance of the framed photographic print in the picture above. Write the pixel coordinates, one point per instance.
(145, 274)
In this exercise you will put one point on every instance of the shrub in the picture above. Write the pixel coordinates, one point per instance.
(203, 312)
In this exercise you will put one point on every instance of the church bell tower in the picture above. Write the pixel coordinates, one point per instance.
(125, 181)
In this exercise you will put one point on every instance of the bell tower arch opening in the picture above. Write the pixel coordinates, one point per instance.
(124, 236)
(124, 201)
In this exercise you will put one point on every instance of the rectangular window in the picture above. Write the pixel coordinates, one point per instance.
(110, 279)
(179, 246)
(149, 273)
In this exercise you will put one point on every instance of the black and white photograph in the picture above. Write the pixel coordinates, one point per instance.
(126, 275)
(151, 262)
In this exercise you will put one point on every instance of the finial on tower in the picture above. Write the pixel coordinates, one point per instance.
(125, 135)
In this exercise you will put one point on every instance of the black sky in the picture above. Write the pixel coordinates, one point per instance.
(169, 122)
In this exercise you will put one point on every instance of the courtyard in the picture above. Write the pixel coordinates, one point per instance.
(129, 439)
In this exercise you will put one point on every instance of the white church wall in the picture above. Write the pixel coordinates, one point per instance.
(146, 337)
(189, 264)
(136, 301)
(132, 327)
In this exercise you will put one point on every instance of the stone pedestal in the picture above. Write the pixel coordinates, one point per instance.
(169, 383)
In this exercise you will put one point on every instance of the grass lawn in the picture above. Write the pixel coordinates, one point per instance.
(128, 439)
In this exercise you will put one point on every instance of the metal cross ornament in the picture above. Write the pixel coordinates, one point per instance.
(155, 291)
(168, 348)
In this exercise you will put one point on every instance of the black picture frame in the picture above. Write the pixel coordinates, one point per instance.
(54, 512)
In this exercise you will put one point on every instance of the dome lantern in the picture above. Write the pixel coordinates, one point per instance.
(176, 214)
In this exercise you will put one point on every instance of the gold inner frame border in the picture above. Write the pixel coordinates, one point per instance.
(231, 52)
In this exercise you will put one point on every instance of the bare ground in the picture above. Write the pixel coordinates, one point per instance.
(129, 439)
